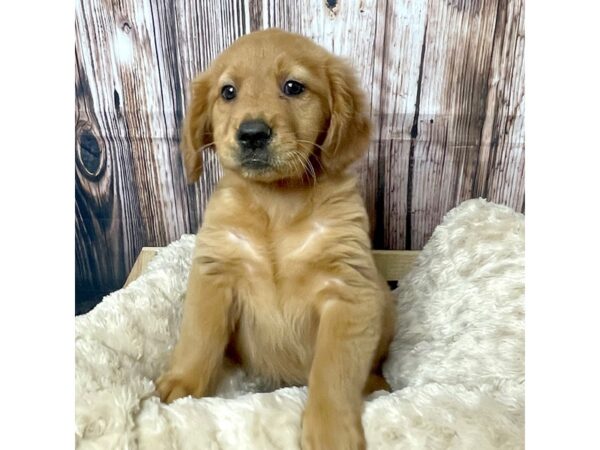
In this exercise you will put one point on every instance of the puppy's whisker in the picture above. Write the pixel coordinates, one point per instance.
(312, 171)
(319, 162)
(311, 143)
(314, 130)
(306, 165)
(298, 162)
(301, 141)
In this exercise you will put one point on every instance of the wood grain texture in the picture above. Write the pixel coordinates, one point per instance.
(404, 33)
(132, 77)
(450, 126)
(502, 164)
(108, 234)
(445, 85)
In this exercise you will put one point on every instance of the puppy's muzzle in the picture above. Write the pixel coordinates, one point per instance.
(253, 137)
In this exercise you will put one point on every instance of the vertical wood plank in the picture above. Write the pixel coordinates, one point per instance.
(403, 41)
(500, 176)
(135, 61)
(452, 107)
(142, 107)
(108, 215)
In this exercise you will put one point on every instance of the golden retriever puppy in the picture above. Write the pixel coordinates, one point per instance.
(283, 281)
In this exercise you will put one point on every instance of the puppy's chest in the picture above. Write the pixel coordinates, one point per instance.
(279, 275)
(281, 253)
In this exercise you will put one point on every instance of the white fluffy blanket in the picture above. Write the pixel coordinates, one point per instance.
(456, 364)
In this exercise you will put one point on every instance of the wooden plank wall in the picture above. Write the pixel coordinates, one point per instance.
(445, 82)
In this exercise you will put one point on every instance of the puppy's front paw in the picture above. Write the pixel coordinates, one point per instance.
(327, 429)
(171, 386)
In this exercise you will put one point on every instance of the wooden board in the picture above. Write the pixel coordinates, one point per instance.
(395, 264)
(466, 132)
(141, 263)
(392, 264)
(445, 89)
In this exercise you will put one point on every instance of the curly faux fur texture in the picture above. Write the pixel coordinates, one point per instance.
(456, 364)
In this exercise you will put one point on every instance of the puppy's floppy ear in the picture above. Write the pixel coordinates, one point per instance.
(197, 129)
(349, 128)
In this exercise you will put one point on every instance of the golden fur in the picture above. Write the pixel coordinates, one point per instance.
(283, 280)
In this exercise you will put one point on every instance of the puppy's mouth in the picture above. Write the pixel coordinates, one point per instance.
(255, 163)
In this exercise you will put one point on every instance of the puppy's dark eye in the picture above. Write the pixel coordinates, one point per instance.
(228, 92)
(292, 87)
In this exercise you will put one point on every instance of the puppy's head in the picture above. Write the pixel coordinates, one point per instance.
(276, 106)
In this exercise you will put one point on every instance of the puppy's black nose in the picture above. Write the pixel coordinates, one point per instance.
(253, 134)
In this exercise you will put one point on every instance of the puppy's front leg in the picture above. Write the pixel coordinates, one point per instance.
(205, 331)
(346, 342)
